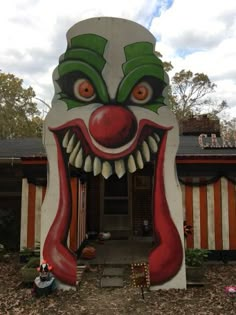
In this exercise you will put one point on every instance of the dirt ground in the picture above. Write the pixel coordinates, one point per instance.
(90, 299)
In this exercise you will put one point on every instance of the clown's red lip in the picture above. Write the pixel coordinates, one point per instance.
(83, 153)
(78, 128)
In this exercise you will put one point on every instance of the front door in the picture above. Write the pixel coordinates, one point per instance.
(116, 206)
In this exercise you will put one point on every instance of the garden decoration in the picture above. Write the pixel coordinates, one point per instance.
(88, 252)
(188, 229)
(109, 116)
(140, 276)
(45, 283)
(231, 291)
(104, 236)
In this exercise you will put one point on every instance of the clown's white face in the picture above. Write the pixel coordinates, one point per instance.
(109, 116)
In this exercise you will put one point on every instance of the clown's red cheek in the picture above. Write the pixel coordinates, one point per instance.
(112, 126)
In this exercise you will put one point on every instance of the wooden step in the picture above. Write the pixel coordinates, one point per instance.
(79, 273)
(112, 282)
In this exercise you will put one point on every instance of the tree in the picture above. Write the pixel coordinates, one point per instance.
(189, 95)
(228, 125)
(166, 64)
(19, 116)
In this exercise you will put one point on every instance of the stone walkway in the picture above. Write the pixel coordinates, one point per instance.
(112, 278)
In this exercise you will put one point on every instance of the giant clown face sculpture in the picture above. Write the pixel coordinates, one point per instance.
(109, 116)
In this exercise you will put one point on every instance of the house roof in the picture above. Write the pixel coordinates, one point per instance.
(189, 146)
(24, 147)
(33, 148)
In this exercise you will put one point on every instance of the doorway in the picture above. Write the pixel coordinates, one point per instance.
(116, 213)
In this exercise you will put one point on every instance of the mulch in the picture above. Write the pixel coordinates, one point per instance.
(90, 299)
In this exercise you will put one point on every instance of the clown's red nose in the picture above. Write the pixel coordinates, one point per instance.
(112, 126)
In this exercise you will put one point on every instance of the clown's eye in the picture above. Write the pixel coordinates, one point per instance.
(83, 90)
(141, 93)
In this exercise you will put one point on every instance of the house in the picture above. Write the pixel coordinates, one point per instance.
(206, 168)
(12, 152)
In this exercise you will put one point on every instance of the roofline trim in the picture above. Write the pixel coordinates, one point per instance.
(10, 160)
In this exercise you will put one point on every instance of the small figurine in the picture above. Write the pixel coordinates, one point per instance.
(231, 291)
(187, 229)
(45, 283)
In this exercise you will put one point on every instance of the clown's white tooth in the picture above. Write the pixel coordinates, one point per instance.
(131, 164)
(79, 159)
(145, 151)
(157, 137)
(97, 166)
(120, 167)
(88, 164)
(70, 146)
(152, 144)
(106, 169)
(139, 159)
(66, 138)
(74, 153)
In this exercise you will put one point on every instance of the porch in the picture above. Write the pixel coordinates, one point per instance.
(120, 252)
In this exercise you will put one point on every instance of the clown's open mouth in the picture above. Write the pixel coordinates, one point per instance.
(81, 151)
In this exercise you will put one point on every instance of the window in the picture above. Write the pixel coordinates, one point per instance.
(116, 195)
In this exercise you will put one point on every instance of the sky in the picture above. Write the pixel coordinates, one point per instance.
(196, 35)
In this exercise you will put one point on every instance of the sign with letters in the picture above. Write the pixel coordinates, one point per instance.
(226, 140)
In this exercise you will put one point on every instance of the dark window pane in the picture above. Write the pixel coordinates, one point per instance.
(117, 206)
(113, 186)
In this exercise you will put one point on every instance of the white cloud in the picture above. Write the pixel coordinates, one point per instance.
(199, 35)
(33, 33)
(195, 24)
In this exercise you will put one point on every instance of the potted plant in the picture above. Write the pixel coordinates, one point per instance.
(195, 259)
(29, 270)
(27, 253)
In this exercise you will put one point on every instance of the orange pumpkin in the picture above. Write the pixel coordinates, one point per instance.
(88, 252)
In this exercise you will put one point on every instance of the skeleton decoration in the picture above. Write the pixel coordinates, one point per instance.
(109, 116)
